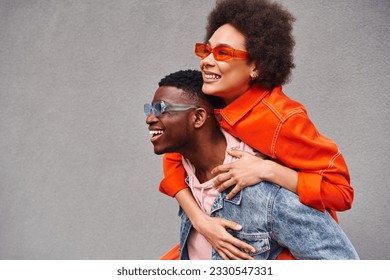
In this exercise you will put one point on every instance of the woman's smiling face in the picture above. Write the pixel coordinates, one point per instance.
(226, 79)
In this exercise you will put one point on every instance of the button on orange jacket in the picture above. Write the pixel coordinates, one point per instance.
(280, 128)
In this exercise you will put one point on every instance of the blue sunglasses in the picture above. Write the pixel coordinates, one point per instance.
(160, 107)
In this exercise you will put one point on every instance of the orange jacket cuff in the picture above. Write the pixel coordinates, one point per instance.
(309, 190)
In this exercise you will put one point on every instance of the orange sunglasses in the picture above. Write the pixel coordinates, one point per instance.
(220, 53)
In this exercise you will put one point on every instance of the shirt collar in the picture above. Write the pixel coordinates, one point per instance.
(233, 112)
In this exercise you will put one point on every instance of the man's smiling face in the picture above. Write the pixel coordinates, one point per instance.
(169, 131)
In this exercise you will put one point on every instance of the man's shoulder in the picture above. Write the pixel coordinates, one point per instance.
(272, 191)
(262, 189)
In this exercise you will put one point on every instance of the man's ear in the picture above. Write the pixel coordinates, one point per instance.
(199, 117)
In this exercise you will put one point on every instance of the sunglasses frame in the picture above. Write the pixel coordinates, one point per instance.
(166, 107)
(201, 48)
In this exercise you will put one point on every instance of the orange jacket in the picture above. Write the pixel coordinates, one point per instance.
(279, 127)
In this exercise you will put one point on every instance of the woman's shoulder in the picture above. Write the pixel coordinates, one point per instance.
(281, 105)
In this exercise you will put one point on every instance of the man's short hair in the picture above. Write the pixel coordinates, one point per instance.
(191, 82)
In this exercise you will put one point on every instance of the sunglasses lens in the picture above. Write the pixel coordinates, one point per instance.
(155, 109)
(201, 50)
(147, 109)
(222, 53)
(158, 108)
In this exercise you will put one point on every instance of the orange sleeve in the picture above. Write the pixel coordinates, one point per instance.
(174, 174)
(323, 177)
(172, 254)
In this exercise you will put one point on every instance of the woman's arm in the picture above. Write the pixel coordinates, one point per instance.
(323, 177)
(249, 170)
(174, 174)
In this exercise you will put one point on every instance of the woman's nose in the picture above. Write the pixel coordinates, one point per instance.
(207, 61)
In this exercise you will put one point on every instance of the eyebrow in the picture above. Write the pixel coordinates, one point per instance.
(225, 45)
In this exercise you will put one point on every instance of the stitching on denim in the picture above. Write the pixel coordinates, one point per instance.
(270, 207)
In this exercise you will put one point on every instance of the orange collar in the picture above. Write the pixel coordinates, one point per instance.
(233, 112)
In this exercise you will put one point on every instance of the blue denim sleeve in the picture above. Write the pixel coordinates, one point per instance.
(306, 232)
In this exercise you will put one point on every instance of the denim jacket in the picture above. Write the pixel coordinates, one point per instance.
(272, 219)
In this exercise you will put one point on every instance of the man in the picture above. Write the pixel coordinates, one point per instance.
(180, 119)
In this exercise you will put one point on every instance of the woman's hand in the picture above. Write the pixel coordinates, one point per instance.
(242, 173)
(227, 246)
(250, 169)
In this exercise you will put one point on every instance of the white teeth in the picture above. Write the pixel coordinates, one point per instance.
(154, 132)
(212, 76)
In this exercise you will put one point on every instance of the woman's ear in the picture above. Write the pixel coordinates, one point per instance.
(199, 117)
(255, 73)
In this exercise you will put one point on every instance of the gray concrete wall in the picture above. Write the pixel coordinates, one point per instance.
(78, 177)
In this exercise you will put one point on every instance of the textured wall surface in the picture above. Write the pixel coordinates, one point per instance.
(78, 177)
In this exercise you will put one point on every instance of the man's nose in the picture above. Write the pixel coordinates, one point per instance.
(151, 118)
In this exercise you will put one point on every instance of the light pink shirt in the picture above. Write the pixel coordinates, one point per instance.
(198, 247)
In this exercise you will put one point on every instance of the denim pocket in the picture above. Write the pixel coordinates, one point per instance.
(259, 241)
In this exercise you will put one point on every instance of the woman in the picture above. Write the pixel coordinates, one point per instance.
(245, 60)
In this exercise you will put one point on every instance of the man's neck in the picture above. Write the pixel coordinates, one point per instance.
(207, 153)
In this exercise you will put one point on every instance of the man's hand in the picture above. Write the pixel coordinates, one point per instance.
(227, 246)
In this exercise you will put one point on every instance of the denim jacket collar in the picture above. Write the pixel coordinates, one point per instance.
(218, 202)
